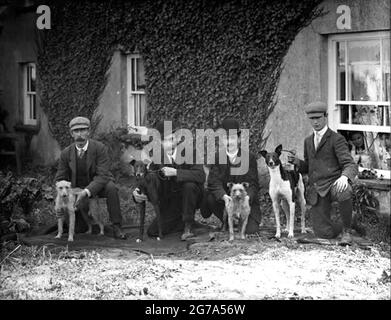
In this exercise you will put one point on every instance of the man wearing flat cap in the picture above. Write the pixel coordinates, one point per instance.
(331, 170)
(182, 186)
(86, 164)
(221, 173)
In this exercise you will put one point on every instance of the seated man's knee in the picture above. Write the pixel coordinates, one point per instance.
(190, 187)
(340, 196)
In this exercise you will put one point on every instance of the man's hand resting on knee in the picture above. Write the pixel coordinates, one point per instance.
(341, 183)
(138, 196)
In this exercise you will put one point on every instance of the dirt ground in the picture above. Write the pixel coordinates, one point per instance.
(250, 269)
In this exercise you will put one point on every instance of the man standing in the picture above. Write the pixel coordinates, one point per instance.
(217, 194)
(181, 190)
(331, 170)
(86, 164)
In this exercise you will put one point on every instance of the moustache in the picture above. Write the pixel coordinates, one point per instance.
(80, 139)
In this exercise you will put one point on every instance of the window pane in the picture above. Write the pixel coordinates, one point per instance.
(386, 70)
(369, 115)
(132, 80)
(32, 78)
(34, 108)
(140, 75)
(143, 110)
(341, 84)
(364, 70)
(344, 113)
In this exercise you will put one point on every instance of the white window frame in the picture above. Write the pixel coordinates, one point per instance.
(29, 98)
(134, 112)
(333, 113)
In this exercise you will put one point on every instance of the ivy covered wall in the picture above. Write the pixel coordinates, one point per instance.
(204, 60)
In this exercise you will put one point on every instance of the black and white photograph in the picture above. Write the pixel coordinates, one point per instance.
(197, 155)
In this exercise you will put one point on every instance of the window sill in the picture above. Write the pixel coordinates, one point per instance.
(27, 128)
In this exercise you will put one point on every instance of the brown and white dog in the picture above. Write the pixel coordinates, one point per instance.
(238, 210)
(65, 207)
(285, 188)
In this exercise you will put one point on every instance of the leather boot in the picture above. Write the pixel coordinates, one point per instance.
(187, 233)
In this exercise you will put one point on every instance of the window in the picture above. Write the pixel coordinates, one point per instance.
(359, 96)
(29, 93)
(137, 105)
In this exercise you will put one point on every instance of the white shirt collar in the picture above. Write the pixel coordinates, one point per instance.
(173, 156)
(232, 156)
(84, 148)
(321, 132)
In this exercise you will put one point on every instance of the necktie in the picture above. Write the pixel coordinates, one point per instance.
(81, 153)
(317, 140)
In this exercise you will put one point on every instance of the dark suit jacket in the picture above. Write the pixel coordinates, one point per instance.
(186, 172)
(328, 162)
(220, 175)
(98, 164)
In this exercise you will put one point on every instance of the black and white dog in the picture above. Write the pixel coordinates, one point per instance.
(285, 188)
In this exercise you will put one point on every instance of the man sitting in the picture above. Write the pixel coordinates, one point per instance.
(182, 191)
(86, 164)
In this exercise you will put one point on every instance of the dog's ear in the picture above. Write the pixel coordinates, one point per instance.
(264, 153)
(246, 184)
(229, 185)
(278, 149)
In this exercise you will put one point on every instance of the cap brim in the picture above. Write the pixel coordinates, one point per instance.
(80, 126)
(315, 114)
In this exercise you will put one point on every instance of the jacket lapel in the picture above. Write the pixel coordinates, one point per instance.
(72, 164)
(312, 145)
(323, 140)
(89, 155)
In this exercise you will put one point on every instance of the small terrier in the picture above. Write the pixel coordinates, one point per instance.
(285, 188)
(65, 207)
(238, 210)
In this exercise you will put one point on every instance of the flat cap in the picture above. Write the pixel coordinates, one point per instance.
(316, 107)
(79, 123)
(161, 124)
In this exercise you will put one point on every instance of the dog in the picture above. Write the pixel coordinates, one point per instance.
(65, 207)
(285, 188)
(149, 184)
(238, 210)
(94, 216)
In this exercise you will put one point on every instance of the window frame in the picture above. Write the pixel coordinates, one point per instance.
(28, 109)
(134, 115)
(333, 112)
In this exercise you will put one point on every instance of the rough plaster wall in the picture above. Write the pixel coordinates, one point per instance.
(16, 46)
(300, 83)
(44, 149)
(111, 102)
